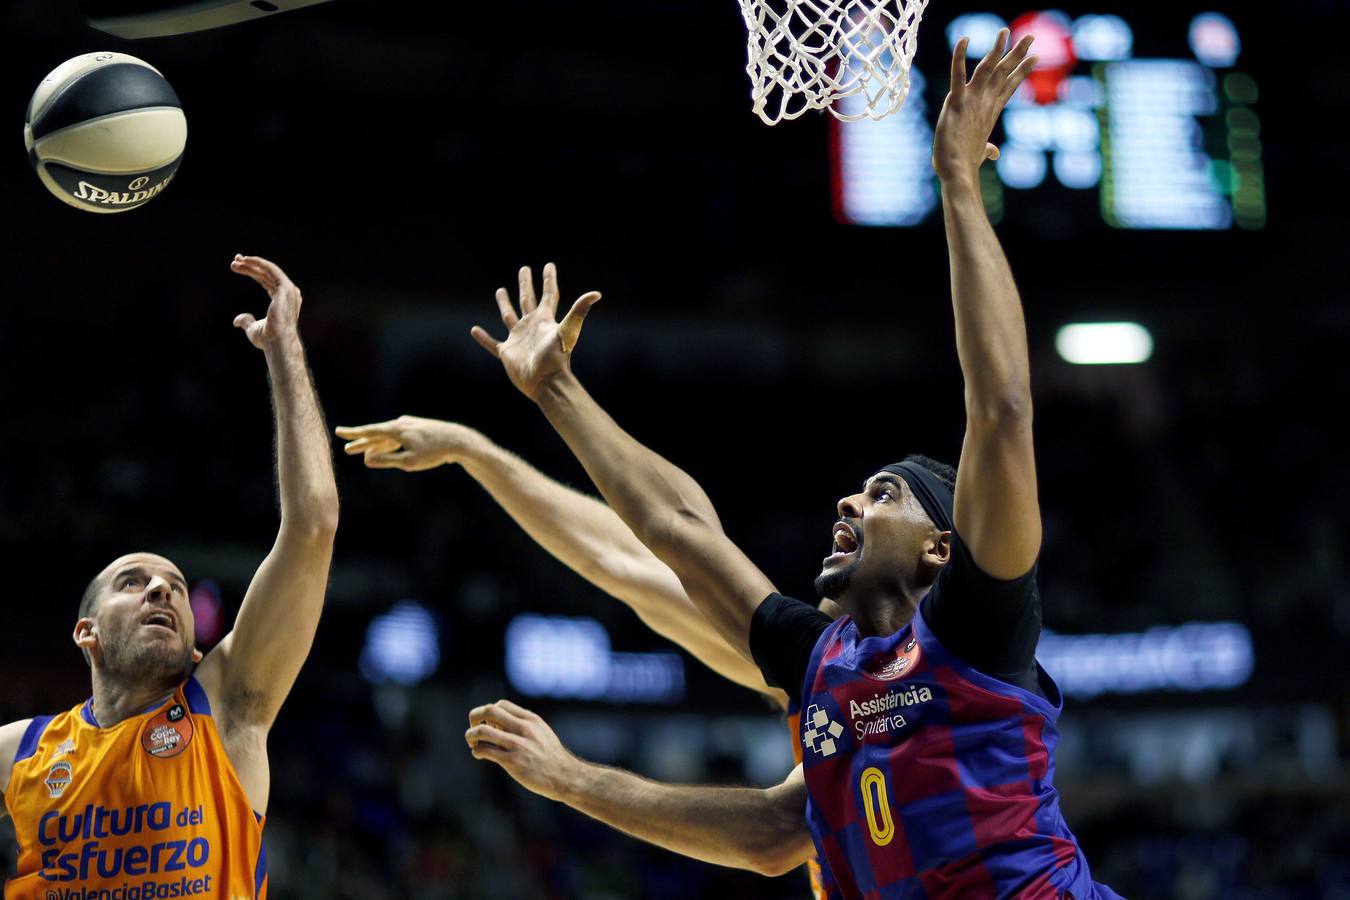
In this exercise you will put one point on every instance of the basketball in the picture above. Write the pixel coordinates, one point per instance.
(105, 132)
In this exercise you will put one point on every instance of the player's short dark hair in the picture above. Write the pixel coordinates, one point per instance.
(943, 472)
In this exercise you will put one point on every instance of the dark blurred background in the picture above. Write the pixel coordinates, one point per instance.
(400, 160)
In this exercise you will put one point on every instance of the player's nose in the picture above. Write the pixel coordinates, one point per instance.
(158, 588)
(849, 507)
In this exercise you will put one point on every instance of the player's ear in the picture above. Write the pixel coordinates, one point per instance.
(937, 552)
(197, 656)
(942, 546)
(84, 635)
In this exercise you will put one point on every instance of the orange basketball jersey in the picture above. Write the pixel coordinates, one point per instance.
(794, 722)
(149, 809)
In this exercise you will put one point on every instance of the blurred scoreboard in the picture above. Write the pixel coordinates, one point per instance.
(1159, 142)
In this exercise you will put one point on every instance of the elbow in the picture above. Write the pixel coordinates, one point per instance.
(674, 533)
(324, 519)
(1000, 409)
(777, 859)
(319, 522)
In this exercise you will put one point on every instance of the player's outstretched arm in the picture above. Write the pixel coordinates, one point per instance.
(996, 511)
(578, 530)
(664, 507)
(250, 672)
(763, 830)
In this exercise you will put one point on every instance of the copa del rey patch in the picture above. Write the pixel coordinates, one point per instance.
(167, 734)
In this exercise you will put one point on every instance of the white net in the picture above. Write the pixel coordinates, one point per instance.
(806, 54)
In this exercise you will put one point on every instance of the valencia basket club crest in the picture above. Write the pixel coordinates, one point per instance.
(168, 733)
(58, 779)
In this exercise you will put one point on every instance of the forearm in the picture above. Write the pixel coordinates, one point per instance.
(760, 830)
(642, 487)
(308, 491)
(991, 339)
(664, 507)
(579, 531)
(589, 538)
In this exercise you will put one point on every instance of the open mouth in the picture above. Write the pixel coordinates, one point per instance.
(160, 620)
(845, 542)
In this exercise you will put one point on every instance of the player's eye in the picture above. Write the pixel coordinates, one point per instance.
(130, 582)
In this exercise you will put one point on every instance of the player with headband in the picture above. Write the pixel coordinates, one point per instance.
(928, 728)
(157, 785)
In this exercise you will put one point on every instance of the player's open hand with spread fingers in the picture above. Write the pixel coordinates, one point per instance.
(410, 443)
(537, 347)
(524, 745)
(961, 143)
(283, 313)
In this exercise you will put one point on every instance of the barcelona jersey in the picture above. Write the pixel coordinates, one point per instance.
(928, 778)
(147, 809)
(794, 729)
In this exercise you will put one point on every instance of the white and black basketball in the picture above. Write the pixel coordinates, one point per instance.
(105, 132)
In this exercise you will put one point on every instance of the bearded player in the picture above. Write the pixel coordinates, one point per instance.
(928, 728)
(157, 785)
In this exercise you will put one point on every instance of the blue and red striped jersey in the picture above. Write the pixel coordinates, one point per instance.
(928, 778)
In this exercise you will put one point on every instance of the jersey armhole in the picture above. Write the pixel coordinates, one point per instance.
(31, 735)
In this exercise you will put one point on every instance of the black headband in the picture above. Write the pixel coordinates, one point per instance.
(934, 496)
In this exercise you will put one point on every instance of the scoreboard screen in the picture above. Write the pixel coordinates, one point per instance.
(1159, 140)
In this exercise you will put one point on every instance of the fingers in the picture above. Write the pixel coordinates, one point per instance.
(550, 299)
(375, 429)
(959, 68)
(245, 321)
(486, 341)
(991, 152)
(527, 301)
(1018, 76)
(570, 329)
(1013, 58)
(516, 710)
(508, 314)
(371, 445)
(266, 273)
(388, 459)
(492, 736)
(484, 750)
(504, 714)
(986, 67)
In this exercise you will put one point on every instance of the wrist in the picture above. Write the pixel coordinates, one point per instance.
(961, 183)
(469, 451)
(556, 389)
(574, 779)
(284, 346)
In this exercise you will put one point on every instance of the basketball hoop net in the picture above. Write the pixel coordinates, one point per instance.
(807, 54)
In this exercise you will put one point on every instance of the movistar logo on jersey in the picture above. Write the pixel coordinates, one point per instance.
(874, 716)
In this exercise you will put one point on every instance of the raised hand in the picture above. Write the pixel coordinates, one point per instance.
(410, 443)
(524, 745)
(961, 142)
(537, 347)
(283, 313)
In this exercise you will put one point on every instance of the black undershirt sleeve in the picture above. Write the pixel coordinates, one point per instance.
(992, 625)
(783, 633)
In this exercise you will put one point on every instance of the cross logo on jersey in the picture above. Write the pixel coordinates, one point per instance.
(820, 732)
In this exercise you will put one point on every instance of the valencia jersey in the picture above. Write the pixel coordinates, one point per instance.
(147, 809)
